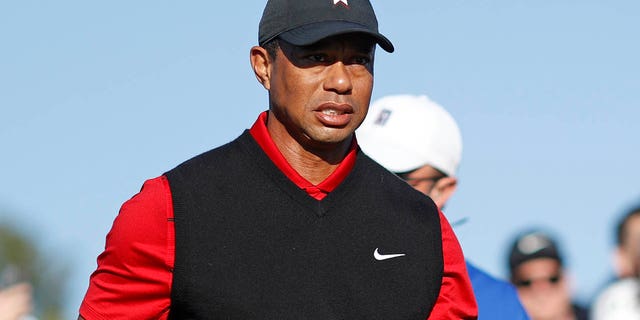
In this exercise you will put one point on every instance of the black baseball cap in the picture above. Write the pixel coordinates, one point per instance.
(304, 22)
(531, 245)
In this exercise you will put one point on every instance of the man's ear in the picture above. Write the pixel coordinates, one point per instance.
(261, 64)
(443, 190)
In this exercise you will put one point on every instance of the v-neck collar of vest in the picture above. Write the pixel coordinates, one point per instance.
(265, 166)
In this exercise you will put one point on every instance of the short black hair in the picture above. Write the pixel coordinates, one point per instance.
(621, 230)
(272, 47)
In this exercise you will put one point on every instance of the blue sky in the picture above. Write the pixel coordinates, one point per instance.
(97, 97)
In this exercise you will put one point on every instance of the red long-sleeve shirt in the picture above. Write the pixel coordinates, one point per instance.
(134, 275)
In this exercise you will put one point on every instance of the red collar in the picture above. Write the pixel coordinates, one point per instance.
(262, 137)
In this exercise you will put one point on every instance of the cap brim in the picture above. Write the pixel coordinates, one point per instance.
(314, 32)
(393, 156)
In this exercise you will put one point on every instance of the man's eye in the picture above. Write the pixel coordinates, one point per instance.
(361, 60)
(318, 58)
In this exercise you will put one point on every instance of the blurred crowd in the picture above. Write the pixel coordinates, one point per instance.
(538, 271)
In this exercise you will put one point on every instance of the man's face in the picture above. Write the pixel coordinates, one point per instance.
(543, 289)
(423, 179)
(431, 182)
(630, 247)
(319, 94)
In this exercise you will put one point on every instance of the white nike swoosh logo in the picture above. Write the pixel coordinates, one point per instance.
(381, 257)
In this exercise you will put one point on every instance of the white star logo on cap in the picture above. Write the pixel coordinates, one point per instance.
(344, 2)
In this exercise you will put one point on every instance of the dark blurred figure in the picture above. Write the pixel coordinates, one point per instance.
(537, 271)
(621, 298)
(628, 244)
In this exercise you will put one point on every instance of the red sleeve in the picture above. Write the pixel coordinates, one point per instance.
(134, 274)
(456, 299)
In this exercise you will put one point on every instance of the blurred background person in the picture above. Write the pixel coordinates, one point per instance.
(16, 293)
(619, 301)
(420, 141)
(15, 301)
(32, 285)
(626, 261)
(621, 297)
(537, 270)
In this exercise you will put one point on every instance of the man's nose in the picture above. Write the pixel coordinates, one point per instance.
(338, 78)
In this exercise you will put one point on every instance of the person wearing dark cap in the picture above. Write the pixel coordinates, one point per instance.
(290, 220)
(627, 251)
(619, 299)
(537, 270)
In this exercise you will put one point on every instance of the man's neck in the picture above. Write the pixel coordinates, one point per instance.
(313, 164)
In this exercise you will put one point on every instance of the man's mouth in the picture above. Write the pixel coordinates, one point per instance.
(334, 114)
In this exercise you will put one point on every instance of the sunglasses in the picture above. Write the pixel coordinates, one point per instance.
(524, 283)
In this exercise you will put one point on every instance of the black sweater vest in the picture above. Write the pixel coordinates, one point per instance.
(250, 244)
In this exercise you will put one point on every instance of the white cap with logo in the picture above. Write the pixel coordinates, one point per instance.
(406, 132)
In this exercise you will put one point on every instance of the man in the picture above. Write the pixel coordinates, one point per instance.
(421, 142)
(537, 271)
(15, 301)
(290, 220)
(627, 252)
(620, 299)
